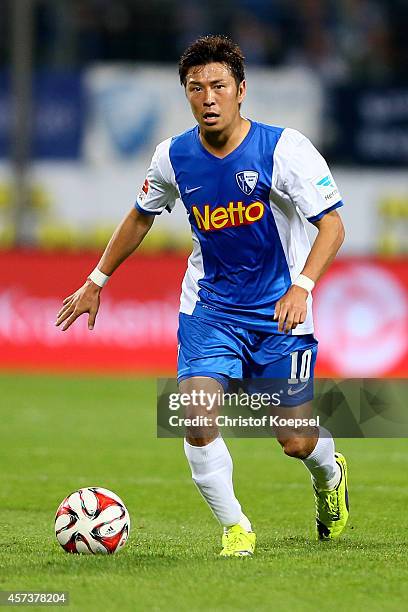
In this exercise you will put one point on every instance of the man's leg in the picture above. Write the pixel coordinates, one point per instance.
(328, 470)
(287, 362)
(211, 467)
(318, 455)
(316, 450)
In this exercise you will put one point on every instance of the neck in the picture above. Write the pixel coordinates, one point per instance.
(223, 143)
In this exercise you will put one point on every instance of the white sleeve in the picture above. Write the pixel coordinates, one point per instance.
(302, 174)
(159, 191)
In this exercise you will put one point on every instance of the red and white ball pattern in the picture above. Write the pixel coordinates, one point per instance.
(92, 520)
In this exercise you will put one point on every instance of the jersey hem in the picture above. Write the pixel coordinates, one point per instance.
(143, 211)
(324, 212)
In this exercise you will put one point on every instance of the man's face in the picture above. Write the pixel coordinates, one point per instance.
(214, 96)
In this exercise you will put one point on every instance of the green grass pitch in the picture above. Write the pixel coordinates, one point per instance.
(61, 433)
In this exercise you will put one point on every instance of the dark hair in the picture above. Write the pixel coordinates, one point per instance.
(215, 48)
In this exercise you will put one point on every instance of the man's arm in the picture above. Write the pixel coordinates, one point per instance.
(126, 238)
(291, 309)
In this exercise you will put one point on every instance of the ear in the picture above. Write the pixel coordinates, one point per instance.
(241, 91)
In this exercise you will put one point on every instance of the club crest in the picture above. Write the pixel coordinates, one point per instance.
(247, 180)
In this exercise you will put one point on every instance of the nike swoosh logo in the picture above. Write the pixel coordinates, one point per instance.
(187, 190)
(295, 390)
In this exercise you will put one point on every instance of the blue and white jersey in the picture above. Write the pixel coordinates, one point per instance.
(246, 213)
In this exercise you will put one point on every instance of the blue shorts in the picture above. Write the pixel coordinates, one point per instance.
(225, 352)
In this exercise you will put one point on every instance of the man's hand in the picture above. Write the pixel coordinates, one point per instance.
(291, 309)
(126, 238)
(86, 299)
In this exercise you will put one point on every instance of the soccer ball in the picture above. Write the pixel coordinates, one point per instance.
(92, 520)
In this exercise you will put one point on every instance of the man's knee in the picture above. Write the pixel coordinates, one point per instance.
(204, 393)
(197, 437)
(298, 447)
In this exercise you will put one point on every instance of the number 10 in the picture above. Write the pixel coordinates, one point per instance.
(304, 373)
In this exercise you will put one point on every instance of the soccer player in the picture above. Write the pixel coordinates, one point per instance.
(246, 296)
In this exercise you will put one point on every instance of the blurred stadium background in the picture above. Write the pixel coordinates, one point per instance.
(89, 87)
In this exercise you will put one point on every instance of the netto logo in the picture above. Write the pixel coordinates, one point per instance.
(233, 215)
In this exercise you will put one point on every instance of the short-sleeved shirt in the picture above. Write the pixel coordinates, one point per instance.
(247, 213)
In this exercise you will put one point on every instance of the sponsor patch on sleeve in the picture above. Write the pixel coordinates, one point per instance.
(144, 191)
(327, 188)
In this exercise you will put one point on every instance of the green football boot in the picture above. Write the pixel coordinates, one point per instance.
(237, 542)
(332, 507)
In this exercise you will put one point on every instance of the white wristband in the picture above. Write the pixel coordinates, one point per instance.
(305, 282)
(98, 277)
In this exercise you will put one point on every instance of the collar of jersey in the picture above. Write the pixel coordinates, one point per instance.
(243, 145)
